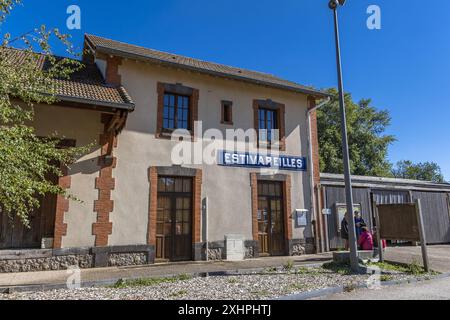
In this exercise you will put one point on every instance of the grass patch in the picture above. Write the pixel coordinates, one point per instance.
(295, 287)
(350, 288)
(302, 270)
(386, 277)
(389, 266)
(232, 280)
(149, 282)
(340, 268)
(411, 269)
(178, 294)
(289, 265)
(270, 270)
(261, 293)
(308, 271)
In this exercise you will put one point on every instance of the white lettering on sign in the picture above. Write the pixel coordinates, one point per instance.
(268, 161)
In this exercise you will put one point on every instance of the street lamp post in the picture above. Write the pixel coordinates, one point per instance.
(354, 261)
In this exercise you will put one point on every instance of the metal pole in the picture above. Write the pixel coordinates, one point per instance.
(380, 241)
(354, 262)
(423, 238)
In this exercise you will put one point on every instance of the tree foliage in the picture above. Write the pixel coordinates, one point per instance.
(426, 171)
(368, 143)
(25, 158)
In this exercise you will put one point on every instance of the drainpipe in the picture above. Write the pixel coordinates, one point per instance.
(315, 214)
(325, 218)
(205, 225)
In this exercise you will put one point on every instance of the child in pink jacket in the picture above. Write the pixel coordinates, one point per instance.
(365, 241)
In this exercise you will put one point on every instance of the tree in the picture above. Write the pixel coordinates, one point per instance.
(26, 159)
(368, 144)
(426, 171)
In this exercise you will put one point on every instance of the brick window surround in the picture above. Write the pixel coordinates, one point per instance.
(178, 89)
(153, 175)
(280, 110)
(287, 206)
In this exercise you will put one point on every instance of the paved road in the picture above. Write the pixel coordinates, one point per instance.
(438, 289)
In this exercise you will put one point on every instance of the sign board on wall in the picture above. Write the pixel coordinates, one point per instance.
(249, 160)
(301, 218)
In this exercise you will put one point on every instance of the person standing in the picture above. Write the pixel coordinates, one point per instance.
(365, 240)
(359, 223)
(344, 231)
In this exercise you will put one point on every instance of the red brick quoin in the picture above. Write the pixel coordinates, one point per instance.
(62, 206)
(105, 184)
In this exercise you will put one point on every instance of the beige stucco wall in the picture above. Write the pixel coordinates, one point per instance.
(84, 126)
(227, 189)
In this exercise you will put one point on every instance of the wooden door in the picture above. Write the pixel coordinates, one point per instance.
(271, 234)
(174, 219)
(14, 235)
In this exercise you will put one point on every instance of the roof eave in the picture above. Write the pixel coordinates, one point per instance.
(329, 178)
(93, 102)
(134, 56)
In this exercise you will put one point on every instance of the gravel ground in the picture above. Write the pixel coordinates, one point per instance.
(268, 285)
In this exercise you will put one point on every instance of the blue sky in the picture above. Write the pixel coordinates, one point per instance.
(404, 67)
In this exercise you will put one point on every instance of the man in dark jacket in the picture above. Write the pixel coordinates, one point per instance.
(344, 231)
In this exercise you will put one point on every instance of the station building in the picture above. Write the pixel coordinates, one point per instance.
(140, 206)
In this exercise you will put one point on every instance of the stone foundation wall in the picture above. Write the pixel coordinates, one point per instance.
(215, 254)
(216, 250)
(127, 259)
(251, 249)
(46, 264)
(62, 259)
(299, 247)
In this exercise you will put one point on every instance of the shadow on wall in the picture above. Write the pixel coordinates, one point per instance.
(308, 230)
(86, 166)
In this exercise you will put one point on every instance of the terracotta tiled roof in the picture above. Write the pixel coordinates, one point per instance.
(103, 45)
(85, 86)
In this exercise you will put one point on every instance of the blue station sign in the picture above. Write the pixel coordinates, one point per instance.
(248, 160)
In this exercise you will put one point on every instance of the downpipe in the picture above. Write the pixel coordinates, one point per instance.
(314, 207)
